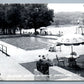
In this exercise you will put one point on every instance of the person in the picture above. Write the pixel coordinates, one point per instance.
(39, 64)
(39, 56)
(72, 62)
(43, 57)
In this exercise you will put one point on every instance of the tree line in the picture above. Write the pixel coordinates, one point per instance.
(24, 16)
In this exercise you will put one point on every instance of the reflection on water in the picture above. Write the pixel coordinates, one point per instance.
(28, 43)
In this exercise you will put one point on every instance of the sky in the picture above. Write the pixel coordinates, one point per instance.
(79, 7)
(41, 1)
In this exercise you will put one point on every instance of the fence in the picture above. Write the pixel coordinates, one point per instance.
(3, 49)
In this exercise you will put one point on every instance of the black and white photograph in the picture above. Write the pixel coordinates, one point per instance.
(41, 42)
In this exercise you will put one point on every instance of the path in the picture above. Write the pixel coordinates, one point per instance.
(11, 70)
(22, 56)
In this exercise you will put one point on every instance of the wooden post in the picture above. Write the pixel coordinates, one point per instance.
(6, 50)
(72, 49)
(2, 48)
(60, 48)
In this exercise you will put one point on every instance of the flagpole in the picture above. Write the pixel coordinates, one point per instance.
(72, 50)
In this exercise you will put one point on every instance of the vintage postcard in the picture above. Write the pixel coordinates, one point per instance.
(41, 42)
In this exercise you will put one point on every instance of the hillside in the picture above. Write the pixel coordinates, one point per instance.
(63, 18)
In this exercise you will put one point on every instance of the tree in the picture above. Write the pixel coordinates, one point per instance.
(23, 20)
(24, 16)
(2, 17)
(39, 16)
(13, 18)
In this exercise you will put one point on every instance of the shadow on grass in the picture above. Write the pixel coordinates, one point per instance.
(29, 66)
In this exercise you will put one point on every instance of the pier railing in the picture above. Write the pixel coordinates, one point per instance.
(3, 49)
